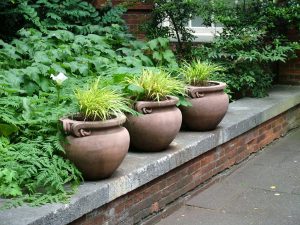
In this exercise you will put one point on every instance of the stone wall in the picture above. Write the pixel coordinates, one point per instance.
(150, 202)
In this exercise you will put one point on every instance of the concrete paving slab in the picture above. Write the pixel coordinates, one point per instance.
(285, 178)
(278, 166)
(196, 216)
(264, 191)
(224, 193)
(265, 203)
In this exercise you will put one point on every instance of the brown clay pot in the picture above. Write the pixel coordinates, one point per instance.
(156, 128)
(209, 106)
(97, 148)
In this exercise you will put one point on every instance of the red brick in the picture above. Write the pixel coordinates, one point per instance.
(232, 153)
(207, 158)
(99, 220)
(79, 221)
(194, 167)
(154, 207)
(208, 168)
(221, 161)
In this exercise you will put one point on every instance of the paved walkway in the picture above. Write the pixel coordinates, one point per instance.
(264, 191)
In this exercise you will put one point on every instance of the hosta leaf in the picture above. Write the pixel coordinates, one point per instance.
(153, 44)
(42, 57)
(62, 35)
(96, 38)
(157, 56)
(14, 78)
(31, 87)
(33, 73)
(163, 42)
(146, 60)
(135, 89)
(58, 68)
(83, 69)
(168, 55)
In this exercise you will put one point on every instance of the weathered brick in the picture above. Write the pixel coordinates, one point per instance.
(98, 220)
(154, 207)
(79, 221)
(141, 215)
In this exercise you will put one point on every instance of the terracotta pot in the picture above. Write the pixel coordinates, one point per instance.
(97, 148)
(157, 127)
(209, 106)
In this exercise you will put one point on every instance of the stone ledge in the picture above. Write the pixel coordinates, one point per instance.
(140, 168)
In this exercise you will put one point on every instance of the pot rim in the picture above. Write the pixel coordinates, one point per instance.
(146, 107)
(196, 91)
(83, 128)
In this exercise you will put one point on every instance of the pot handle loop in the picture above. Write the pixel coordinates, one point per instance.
(77, 129)
(147, 110)
(67, 125)
(84, 133)
(194, 93)
(199, 94)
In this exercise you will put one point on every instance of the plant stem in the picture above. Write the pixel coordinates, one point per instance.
(58, 94)
(179, 44)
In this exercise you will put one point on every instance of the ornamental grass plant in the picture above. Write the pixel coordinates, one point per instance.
(154, 85)
(100, 103)
(198, 73)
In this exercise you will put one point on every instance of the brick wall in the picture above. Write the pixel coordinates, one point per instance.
(135, 16)
(289, 72)
(148, 203)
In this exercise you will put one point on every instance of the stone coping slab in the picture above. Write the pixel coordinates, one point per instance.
(140, 168)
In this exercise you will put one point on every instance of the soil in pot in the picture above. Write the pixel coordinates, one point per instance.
(156, 128)
(97, 148)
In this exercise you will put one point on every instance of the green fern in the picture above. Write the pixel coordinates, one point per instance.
(31, 168)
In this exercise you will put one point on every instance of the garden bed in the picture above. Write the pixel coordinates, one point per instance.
(138, 169)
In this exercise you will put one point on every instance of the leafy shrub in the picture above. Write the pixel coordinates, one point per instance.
(77, 16)
(253, 39)
(178, 13)
(27, 63)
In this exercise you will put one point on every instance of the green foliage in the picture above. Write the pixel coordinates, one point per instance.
(9, 185)
(31, 167)
(101, 103)
(58, 36)
(254, 38)
(154, 85)
(77, 16)
(13, 15)
(27, 63)
(178, 13)
(161, 53)
(198, 73)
